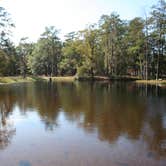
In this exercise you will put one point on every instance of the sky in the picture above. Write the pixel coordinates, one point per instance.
(32, 16)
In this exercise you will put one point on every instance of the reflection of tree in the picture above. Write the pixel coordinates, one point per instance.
(155, 135)
(111, 109)
(104, 108)
(158, 142)
(114, 110)
(47, 102)
(6, 129)
(41, 96)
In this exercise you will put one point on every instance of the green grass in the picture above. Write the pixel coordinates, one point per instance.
(9, 80)
(59, 79)
(106, 78)
(18, 79)
(152, 82)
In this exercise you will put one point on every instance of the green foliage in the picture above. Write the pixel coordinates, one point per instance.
(136, 42)
(3, 62)
(5, 27)
(71, 55)
(24, 50)
(83, 71)
(113, 31)
(158, 21)
(46, 54)
(111, 47)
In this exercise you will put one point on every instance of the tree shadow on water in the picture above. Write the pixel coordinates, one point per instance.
(6, 128)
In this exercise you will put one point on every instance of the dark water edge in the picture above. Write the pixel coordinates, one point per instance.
(95, 123)
(106, 78)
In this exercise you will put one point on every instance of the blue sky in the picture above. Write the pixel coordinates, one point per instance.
(31, 16)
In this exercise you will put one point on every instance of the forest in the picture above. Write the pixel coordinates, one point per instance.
(111, 47)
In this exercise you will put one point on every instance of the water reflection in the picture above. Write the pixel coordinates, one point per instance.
(6, 128)
(110, 111)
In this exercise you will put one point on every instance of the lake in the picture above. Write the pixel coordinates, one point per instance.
(82, 124)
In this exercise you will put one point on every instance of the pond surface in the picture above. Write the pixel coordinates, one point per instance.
(82, 124)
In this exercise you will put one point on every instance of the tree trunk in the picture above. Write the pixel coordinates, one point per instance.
(141, 68)
(157, 69)
(158, 60)
(92, 73)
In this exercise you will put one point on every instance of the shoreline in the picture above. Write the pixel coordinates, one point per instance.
(19, 79)
(14, 79)
(152, 82)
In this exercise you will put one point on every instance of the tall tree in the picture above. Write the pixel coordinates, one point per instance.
(158, 16)
(71, 55)
(90, 43)
(7, 50)
(46, 54)
(24, 49)
(112, 31)
(5, 28)
(4, 60)
(136, 45)
(54, 48)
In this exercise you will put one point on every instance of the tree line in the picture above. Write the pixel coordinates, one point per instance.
(111, 47)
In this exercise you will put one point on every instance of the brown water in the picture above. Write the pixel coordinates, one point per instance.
(82, 124)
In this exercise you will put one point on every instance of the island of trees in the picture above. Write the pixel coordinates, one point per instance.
(111, 47)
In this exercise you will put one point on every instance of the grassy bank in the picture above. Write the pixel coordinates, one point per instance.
(105, 78)
(88, 78)
(59, 79)
(9, 80)
(152, 82)
(18, 79)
